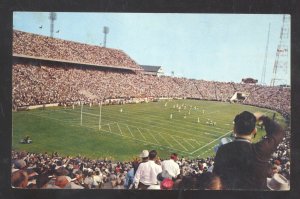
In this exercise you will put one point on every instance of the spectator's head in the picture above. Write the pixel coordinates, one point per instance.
(61, 171)
(78, 174)
(62, 181)
(152, 154)
(19, 179)
(174, 156)
(42, 180)
(144, 155)
(244, 123)
(20, 164)
(209, 181)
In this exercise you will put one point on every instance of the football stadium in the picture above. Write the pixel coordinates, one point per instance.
(92, 110)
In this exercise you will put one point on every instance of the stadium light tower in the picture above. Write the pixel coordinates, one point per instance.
(281, 65)
(52, 17)
(105, 31)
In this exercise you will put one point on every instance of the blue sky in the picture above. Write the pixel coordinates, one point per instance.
(219, 47)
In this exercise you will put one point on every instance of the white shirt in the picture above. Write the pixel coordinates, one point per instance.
(147, 173)
(171, 166)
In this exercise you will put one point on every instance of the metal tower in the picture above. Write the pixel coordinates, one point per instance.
(52, 17)
(281, 65)
(263, 75)
(105, 31)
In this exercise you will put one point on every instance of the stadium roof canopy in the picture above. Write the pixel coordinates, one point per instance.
(152, 70)
(33, 46)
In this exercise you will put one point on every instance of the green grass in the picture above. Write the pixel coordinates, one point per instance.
(123, 135)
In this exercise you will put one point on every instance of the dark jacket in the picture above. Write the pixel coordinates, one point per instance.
(243, 165)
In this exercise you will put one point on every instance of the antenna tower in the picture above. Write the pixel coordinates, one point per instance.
(281, 65)
(52, 17)
(263, 75)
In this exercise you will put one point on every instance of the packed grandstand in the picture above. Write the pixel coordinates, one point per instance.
(48, 71)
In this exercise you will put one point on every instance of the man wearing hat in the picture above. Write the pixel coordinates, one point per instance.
(146, 174)
(242, 164)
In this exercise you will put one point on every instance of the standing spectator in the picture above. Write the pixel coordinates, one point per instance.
(130, 175)
(242, 164)
(98, 179)
(147, 172)
(19, 179)
(171, 166)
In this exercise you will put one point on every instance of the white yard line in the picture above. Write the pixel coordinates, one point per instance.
(130, 131)
(210, 142)
(109, 128)
(165, 139)
(141, 134)
(120, 129)
(153, 136)
(187, 141)
(179, 143)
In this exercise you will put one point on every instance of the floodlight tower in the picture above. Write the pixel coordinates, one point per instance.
(281, 65)
(105, 31)
(263, 75)
(52, 17)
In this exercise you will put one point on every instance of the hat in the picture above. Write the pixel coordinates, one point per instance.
(144, 154)
(163, 175)
(278, 183)
(20, 164)
(167, 184)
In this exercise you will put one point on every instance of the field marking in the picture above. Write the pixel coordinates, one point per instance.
(109, 128)
(165, 139)
(138, 129)
(197, 142)
(152, 136)
(210, 143)
(96, 129)
(188, 143)
(179, 143)
(148, 130)
(147, 142)
(141, 134)
(120, 129)
(199, 136)
(130, 131)
(157, 123)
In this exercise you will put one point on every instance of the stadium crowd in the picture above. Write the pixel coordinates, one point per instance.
(35, 84)
(43, 82)
(46, 47)
(53, 171)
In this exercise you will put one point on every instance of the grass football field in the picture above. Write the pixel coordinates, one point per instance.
(179, 126)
